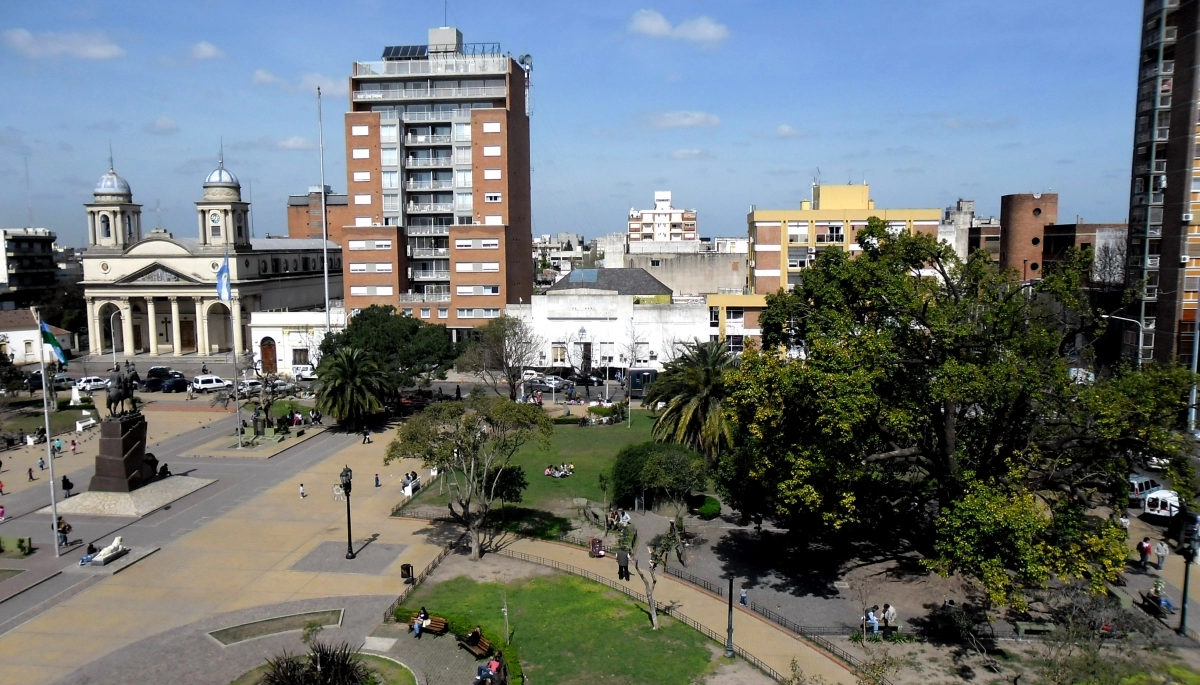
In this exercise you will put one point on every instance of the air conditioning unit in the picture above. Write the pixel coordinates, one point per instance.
(812, 250)
(1183, 260)
(1187, 217)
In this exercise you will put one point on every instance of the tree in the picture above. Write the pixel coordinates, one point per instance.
(692, 386)
(500, 353)
(352, 386)
(472, 442)
(410, 351)
(658, 557)
(932, 391)
(510, 484)
(674, 472)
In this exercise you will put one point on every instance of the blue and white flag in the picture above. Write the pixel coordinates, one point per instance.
(48, 338)
(223, 289)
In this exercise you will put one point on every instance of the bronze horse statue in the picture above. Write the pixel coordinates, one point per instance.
(120, 389)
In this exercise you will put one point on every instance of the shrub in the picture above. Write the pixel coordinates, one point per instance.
(629, 475)
(566, 420)
(601, 411)
(710, 509)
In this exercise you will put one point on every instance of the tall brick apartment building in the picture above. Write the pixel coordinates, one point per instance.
(436, 220)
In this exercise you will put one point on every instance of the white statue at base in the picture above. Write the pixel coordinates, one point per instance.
(115, 548)
(76, 400)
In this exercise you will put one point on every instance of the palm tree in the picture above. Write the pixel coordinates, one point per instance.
(352, 385)
(692, 386)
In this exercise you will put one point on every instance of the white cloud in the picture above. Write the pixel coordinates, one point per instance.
(296, 143)
(786, 131)
(262, 77)
(308, 83)
(700, 30)
(162, 126)
(206, 50)
(691, 153)
(93, 45)
(683, 120)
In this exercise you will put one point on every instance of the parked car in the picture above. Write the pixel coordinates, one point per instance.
(530, 374)
(160, 372)
(63, 382)
(179, 384)
(547, 384)
(91, 383)
(581, 379)
(156, 384)
(209, 383)
(249, 387)
(1157, 463)
(304, 372)
(282, 387)
(1141, 485)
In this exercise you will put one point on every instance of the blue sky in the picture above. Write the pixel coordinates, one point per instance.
(726, 104)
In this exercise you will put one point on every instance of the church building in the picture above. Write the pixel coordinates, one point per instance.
(155, 293)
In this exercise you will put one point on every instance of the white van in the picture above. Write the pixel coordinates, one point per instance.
(1164, 503)
(1140, 485)
(209, 383)
(304, 372)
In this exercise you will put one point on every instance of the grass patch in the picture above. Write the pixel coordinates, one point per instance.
(60, 421)
(280, 408)
(533, 523)
(571, 630)
(6, 573)
(387, 672)
(279, 624)
(592, 450)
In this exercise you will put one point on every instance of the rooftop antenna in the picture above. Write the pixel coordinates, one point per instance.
(250, 193)
(110, 159)
(158, 211)
(445, 12)
(28, 193)
(526, 62)
(221, 154)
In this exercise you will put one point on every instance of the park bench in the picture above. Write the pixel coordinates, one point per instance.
(437, 625)
(480, 648)
(1034, 627)
(412, 488)
(81, 426)
(1151, 606)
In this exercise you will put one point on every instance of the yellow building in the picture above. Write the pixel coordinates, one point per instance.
(784, 241)
(734, 319)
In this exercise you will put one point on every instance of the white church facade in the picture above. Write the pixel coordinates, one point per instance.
(157, 293)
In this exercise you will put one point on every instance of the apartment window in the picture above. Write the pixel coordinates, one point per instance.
(714, 317)
(493, 220)
(462, 178)
(464, 244)
(358, 244)
(358, 290)
(362, 176)
(491, 150)
(558, 353)
(391, 179)
(362, 199)
(491, 174)
(462, 132)
(477, 290)
(1191, 284)
(383, 244)
(358, 268)
(491, 197)
(491, 127)
(737, 343)
(391, 202)
(735, 314)
(408, 311)
(489, 243)
(360, 131)
(361, 153)
(468, 267)
(466, 313)
(362, 221)
(655, 262)
(389, 156)
(443, 313)
(462, 155)
(383, 267)
(464, 201)
(388, 133)
(424, 313)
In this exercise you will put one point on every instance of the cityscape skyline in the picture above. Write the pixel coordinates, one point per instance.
(1010, 106)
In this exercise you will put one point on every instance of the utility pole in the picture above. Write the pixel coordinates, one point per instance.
(324, 210)
(729, 633)
(1189, 555)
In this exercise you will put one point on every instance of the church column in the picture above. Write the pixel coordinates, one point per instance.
(91, 230)
(153, 326)
(177, 346)
(95, 332)
(237, 325)
(202, 347)
(127, 327)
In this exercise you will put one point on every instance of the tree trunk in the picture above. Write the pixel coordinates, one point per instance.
(473, 533)
(650, 583)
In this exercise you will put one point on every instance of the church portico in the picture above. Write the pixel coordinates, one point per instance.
(157, 294)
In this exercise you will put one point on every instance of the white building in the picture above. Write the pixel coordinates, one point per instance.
(21, 342)
(664, 223)
(283, 341)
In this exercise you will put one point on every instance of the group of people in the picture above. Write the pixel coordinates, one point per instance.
(486, 673)
(1160, 549)
(531, 398)
(618, 518)
(561, 471)
(409, 478)
(875, 616)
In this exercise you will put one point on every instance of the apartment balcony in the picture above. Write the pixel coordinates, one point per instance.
(429, 275)
(429, 185)
(1162, 133)
(831, 238)
(424, 297)
(429, 93)
(1153, 260)
(429, 207)
(1151, 293)
(427, 230)
(797, 239)
(418, 252)
(1168, 35)
(459, 115)
(428, 162)
(427, 140)
(1154, 231)
(459, 64)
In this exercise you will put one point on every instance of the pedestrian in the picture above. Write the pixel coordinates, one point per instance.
(1, 487)
(1143, 550)
(377, 480)
(458, 393)
(1, 513)
(73, 446)
(30, 474)
(204, 368)
(64, 529)
(366, 436)
(67, 485)
(889, 615)
(302, 495)
(871, 619)
(623, 564)
(1162, 551)
(742, 599)
(41, 463)
(58, 446)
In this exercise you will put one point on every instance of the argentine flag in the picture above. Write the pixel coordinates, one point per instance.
(223, 290)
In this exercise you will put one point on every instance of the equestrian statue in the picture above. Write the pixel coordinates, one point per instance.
(120, 390)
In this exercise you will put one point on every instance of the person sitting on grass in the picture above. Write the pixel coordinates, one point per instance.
(625, 519)
(550, 471)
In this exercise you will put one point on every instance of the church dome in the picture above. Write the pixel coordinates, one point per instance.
(221, 177)
(112, 184)
(220, 185)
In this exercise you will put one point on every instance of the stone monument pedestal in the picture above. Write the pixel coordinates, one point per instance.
(121, 465)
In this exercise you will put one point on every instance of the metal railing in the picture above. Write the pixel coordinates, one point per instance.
(424, 297)
(461, 64)
(430, 93)
(429, 185)
(695, 580)
(389, 616)
(424, 162)
(426, 230)
(430, 207)
(427, 140)
(831, 238)
(431, 275)
(431, 252)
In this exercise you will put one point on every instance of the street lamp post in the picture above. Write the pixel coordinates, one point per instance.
(1189, 555)
(729, 633)
(347, 478)
(1141, 334)
(584, 369)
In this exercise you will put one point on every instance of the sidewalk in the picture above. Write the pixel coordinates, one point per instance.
(761, 639)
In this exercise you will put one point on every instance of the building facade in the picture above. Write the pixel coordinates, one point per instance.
(783, 242)
(437, 167)
(28, 266)
(1023, 221)
(287, 343)
(304, 213)
(662, 224)
(158, 293)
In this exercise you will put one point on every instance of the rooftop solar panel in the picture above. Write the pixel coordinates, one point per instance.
(405, 51)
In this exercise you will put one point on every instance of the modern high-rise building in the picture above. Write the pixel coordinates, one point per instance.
(437, 176)
(664, 223)
(1164, 208)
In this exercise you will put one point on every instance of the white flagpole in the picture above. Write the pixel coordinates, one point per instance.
(233, 340)
(46, 416)
(324, 211)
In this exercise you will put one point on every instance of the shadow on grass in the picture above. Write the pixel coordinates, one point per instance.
(533, 523)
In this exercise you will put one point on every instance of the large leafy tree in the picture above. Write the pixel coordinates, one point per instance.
(407, 351)
(352, 386)
(473, 443)
(692, 386)
(928, 390)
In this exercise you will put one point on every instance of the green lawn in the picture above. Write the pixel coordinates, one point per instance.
(591, 449)
(59, 421)
(570, 630)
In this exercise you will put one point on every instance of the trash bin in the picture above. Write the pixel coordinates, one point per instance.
(596, 548)
(406, 571)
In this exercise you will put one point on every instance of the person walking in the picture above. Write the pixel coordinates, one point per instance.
(67, 485)
(302, 495)
(1162, 551)
(1, 487)
(41, 463)
(742, 598)
(1, 513)
(57, 446)
(623, 564)
(73, 446)
(458, 393)
(377, 480)
(1143, 550)
(64, 529)
(30, 474)
(366, 436)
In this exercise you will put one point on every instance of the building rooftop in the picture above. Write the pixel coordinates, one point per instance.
(620, 281)
(302, 200)
(20, 320)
